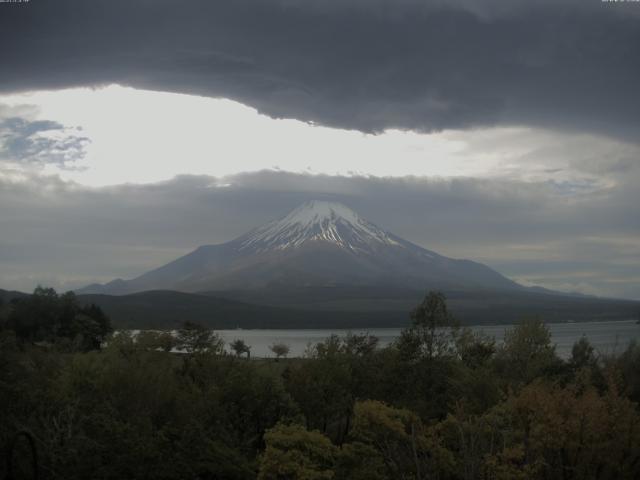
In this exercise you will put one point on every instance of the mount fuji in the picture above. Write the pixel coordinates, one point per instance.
(319, 244)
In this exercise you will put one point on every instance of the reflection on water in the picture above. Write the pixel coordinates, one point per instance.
(606, 337)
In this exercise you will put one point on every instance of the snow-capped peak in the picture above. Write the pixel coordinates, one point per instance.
(318, 221)
(317, 211)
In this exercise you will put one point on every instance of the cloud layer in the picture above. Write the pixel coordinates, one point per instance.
(39, 143)
(67, 235)
(367, 65)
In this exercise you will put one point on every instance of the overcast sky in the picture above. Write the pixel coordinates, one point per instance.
(504, 131)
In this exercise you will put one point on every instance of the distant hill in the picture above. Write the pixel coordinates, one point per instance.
(8, 295)
(168, 309)
(470, 306)
(345, 308)
(353, 307)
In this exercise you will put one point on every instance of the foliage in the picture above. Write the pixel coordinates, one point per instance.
(280, 350)
(426, 366)
(583, 354)
(570, 432)
(320, 385)
(240, 347)
(432, 331)
(406, 448)
(628, 366)
(195, 338)
(442, 403)
(48, 317)
(295, 453)
(527, 353)
(475, 350)
(155, 340)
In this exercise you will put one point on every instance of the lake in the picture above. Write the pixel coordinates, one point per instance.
(606, 337)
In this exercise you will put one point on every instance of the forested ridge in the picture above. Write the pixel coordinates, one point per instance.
(439, 403)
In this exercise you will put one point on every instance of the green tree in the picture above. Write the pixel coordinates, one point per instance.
(334, 373)
(320, 385)
(35, 318)
(48, 317)
(628, 367)
(195, 338)
(280, 350)
(571, 432)
(357, 461)
(425, 373)
(239, 347)
(360, 345)
(433, 329)
(99, 327)
(527, 352)
(475, 350)
(155, 340)
(583, 355)
(292, 452)
(407, 449)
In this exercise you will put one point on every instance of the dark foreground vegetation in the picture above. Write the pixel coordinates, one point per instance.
(440, 403)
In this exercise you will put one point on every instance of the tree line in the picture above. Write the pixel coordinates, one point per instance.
(441, 402)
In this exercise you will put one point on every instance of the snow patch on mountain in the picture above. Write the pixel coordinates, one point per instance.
(318, 221)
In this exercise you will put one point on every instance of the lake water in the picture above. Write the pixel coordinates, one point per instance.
(606, 337)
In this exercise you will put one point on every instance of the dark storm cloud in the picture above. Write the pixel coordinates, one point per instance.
(68, 236)
(39, 142)
(366, 65)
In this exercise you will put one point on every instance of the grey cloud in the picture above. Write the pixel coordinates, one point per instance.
(26, 141)
(533, 231)
(367, 65)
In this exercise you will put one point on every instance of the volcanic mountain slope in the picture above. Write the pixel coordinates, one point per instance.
(319, 244)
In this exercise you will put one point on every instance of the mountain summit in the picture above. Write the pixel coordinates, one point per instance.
(317, 221)
(319, 244)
